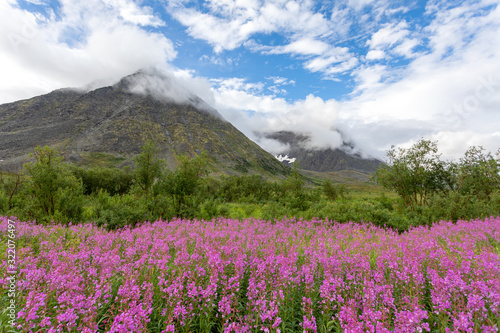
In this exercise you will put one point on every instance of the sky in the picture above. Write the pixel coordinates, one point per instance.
(374, 73)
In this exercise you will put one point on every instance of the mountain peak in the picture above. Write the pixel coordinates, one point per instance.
(162, 86)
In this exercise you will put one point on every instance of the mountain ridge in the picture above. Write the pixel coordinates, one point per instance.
(119, 119)
(111, 123)
(324, 159)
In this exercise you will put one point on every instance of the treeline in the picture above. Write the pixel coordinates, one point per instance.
(49, 189)
(428, 189)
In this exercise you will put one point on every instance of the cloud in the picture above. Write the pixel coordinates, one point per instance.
(325, 41)
(369, 78)
(303, 46)
(405, 48)
(312, 116)
(449, 96)
(375, 55)
(82, 42)
(319, 56)
(280, 81)
(227, 25)
(455, 144)
(359, 4)
(172, 86)
(219, 60)
(388, 35)
(393, 38)
(339, 55)
(130, 12)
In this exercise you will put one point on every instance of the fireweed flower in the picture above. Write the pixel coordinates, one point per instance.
(252, 275)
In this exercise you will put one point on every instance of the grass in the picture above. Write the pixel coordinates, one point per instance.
(98, 159)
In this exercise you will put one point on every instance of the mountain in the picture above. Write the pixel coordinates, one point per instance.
(321, 160)
(108, 125)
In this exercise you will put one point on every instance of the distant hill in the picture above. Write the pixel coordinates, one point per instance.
(321, 160)
(109, 125)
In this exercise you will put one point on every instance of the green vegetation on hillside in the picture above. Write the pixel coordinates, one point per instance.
(417, 189)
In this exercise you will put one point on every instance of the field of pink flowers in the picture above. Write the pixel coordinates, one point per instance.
(252, 276)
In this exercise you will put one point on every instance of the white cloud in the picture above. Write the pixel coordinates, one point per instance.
(323, 63)
(132, 13)
(393, 39)
(303, 46)
(389, 35)
(312, 115)
(375, 55)
(453, 99)
(454, 144)
(239, 84)
(278, 83)
(452, 96)
(369, 77)
(219, 60)
(227, 25)
(36, 2)
(405, 49)
(313, 36)
(359, 4)
(92, 40)
(278, 80)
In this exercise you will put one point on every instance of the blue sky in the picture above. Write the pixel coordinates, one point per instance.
(373, 72)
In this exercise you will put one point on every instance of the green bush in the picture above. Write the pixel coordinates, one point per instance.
(4, 202)
(160, 207)
(209, 209)
(11, 185)
(247, 189)
(120, 210)
(456, 206)
(52, 192)
(183, 185)
(148, 168)
(70, 205)
(112, 180)
(273, 211)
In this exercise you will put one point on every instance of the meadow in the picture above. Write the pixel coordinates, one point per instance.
(249, 275)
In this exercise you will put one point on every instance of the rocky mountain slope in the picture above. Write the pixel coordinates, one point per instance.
(321, 160)
(115, 121)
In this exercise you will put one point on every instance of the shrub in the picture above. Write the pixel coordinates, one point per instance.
(112, 180)
(119, 211)
(53, 191)
(148, 168)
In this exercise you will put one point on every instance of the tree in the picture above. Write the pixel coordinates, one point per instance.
(112, 180)
(294, 183)
(478, 173)
(331, 191)
(294, 189)
(184, 182)
(52, 186)
(10, 184)
(148, 167)
(415, 173)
